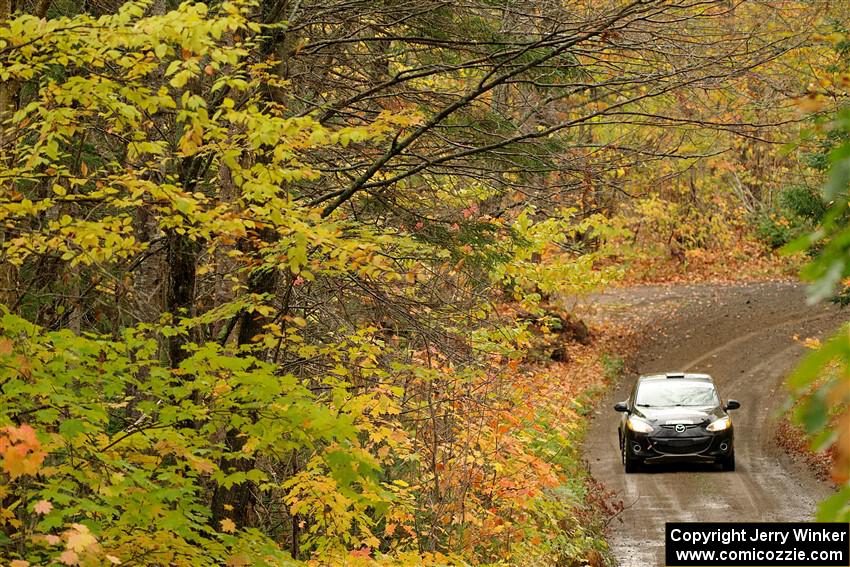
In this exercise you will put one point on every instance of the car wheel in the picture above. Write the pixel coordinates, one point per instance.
(728, 463)
(630, 465)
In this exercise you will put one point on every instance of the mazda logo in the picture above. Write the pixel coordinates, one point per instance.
(680, 428)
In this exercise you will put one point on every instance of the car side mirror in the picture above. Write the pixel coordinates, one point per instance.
(732, 404)
(623, 406)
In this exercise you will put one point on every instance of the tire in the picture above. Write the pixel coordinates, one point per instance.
(728, 463)
(630, 465)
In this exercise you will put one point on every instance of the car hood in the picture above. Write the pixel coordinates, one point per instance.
(674, 415)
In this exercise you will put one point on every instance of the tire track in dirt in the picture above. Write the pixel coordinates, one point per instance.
(743, 336)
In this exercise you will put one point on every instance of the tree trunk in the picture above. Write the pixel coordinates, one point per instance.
(8, 96)
(181, 257)
(237, 502)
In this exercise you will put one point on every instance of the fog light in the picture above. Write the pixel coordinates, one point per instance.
(636, 448)
(724, 446)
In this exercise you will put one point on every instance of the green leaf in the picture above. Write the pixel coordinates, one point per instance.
(836, 508)
(813, 413)
(810, 368)
(70, 428)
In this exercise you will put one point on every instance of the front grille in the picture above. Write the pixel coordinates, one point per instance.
(681, 445)
(687, 426)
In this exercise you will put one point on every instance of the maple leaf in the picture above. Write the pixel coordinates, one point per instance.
(69, 557)
(21, 451)
(14, 461)
(201, 465)
(228, 526)
(80, 538)
(24, 434)
(17, 461)
(42, 507)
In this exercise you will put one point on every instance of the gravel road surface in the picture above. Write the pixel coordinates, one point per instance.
(743, 336)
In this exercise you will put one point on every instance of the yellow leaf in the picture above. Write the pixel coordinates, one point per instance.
(228, 526)
(80, 538)
(250, 445)
(201, 465)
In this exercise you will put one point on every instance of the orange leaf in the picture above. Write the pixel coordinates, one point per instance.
(24, 433)
(17, 461)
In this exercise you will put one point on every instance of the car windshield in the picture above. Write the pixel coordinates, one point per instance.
(668, 393)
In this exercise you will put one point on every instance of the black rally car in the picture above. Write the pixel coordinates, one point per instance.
(676, 417)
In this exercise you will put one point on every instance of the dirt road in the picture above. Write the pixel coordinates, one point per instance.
(742, 335)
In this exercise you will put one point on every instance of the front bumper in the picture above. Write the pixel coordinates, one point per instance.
(694, 446)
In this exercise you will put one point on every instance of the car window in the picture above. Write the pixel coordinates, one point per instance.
(666, 393)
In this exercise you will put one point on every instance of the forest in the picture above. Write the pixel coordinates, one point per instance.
(289, 282)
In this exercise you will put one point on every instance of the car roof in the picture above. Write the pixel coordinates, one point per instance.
(690, 376)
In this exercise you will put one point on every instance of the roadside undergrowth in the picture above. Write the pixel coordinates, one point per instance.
(793, 439)
(563, 394)
(662, 240)
(747, 261)
(799, 415)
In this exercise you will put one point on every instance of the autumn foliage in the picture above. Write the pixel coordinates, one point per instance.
(283, 282)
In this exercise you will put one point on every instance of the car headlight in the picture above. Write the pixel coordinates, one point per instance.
(720, 424)
(638, 425)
